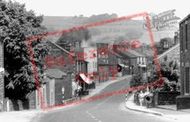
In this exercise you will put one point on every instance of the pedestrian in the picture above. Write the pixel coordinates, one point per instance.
(141, 98)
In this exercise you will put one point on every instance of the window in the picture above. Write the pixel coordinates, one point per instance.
(103, 52)
(187, 80)
(166, 44)
(77, 45)
(143, 61)
(138, 60)
(181, 37)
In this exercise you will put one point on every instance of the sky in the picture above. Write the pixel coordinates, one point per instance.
(90, 7)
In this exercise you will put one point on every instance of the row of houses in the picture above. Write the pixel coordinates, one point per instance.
(79, 69)
(85, 67)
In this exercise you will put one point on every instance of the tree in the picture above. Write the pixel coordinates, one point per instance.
(136, 80)
(16, 25)
(169, 70)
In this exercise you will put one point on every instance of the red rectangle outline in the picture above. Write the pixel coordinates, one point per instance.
(29, 40)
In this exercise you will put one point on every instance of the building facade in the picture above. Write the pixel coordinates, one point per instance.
(1, 77)
(88, 55)
(183, 101)
(166, 43)
(59, 67)
(173, 54)
(103, 61)
(58, 87)
(176, 37)
(134, 61)
(86, 64)
(116, 64)
(185, 55)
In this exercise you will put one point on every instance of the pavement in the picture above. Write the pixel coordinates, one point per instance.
(106, 109)
(19, 116)
(166, 111)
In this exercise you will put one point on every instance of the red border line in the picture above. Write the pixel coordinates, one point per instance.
(36, 77)
(153, 44)
(86, 26)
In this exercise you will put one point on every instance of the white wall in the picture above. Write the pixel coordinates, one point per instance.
(141, 60)
(91, 58)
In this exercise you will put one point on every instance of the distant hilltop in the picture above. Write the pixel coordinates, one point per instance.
(63, 22)
(126, 30)
(109, 33)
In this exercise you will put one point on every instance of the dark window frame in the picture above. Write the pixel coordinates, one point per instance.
(187, 81)
(186, 34)
(182, 37)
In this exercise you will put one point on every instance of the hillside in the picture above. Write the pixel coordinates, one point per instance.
(157, 35)
(127, 30)
(109, 33)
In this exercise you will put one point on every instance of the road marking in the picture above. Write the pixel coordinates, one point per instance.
(98, 105)
(93, 117)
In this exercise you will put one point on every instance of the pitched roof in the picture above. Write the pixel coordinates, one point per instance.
(114, 53)
(59, 47)
(135, 53)
(55, 73)
(131, 53)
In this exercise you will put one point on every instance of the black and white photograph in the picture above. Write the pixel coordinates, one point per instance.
(94, 61)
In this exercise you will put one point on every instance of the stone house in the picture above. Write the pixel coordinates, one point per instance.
(133, 60)
(183, 101)
(60, 66)
(103, 61)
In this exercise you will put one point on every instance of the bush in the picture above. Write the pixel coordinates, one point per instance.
(136, 80)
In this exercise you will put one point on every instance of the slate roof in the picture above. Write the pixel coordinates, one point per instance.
(62, 49)
(114, 53)
(130, 53)
(55, 73)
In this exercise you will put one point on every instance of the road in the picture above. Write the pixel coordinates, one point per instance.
(109, 109)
